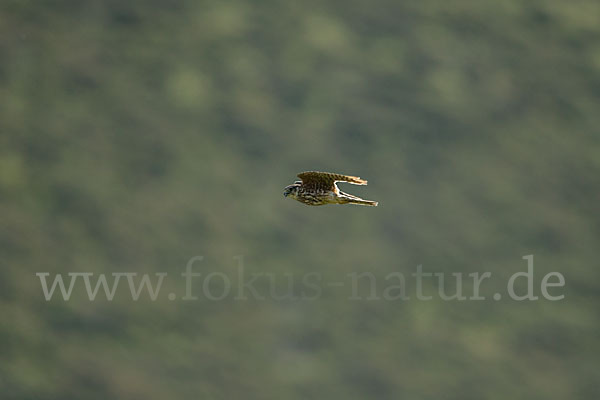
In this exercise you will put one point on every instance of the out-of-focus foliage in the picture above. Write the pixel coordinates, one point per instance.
(137, 134)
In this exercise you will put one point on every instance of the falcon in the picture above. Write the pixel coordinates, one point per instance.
(320, 188)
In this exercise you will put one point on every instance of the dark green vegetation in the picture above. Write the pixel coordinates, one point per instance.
(137, 134)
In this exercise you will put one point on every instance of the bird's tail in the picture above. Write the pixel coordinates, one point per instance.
(349, 199)
(364, 202)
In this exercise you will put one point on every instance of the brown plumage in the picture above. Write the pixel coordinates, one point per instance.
(320, 188)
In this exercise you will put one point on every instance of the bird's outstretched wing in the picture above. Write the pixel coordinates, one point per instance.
(326, 180)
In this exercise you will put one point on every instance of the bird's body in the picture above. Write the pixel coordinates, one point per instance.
(320, 188)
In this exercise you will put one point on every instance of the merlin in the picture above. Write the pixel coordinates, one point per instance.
(320, 188)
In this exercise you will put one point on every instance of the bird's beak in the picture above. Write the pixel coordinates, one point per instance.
(285, 194)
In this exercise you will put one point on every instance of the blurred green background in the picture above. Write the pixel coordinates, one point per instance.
(135, 135)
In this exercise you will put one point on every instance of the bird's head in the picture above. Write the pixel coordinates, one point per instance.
(292, 190)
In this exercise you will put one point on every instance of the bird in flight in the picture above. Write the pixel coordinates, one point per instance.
(320, 188)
